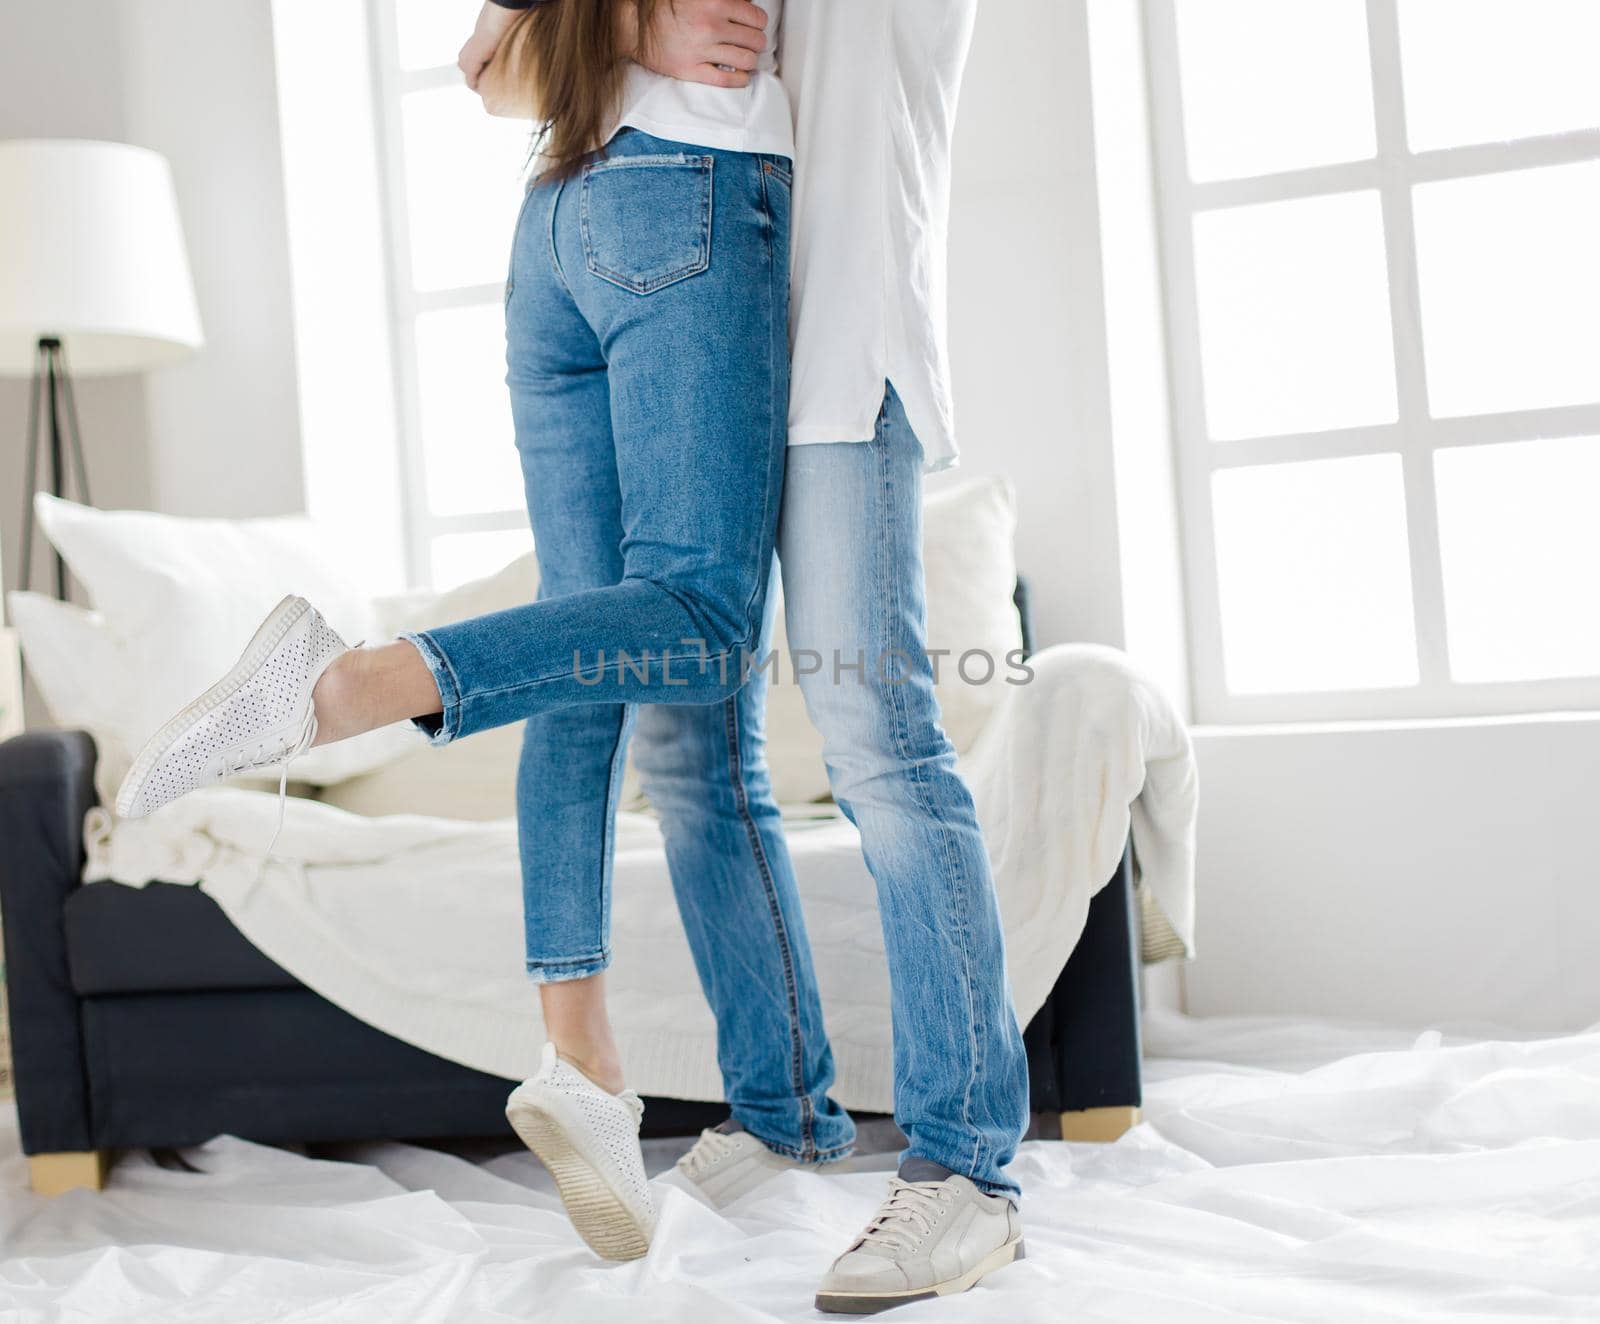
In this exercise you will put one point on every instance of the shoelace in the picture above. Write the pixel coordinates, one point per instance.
(282, 753)
(711, 1146)
(907, 1216)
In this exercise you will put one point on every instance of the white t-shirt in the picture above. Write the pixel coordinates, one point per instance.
(753, 118)
(873, 84)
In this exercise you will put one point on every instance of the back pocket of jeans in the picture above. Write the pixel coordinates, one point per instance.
(647, 220)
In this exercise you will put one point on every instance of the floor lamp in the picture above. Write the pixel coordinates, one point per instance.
(92, 269)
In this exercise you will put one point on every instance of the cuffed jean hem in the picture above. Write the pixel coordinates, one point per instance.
(816, 1156)
(443, 727)
(1009, 1189)
(556, 972)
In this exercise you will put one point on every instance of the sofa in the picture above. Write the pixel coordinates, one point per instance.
(141, 1018)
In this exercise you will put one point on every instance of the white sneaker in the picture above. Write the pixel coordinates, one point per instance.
(929, 1238)
(724, 1164)
(257, 716)
(589, 1140)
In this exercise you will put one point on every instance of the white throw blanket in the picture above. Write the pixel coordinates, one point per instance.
(414, 924)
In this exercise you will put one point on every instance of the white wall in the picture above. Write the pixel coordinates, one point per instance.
(1411, 874)
(199, 87)
(1027, 329)
(1056, 328)
(46, 94)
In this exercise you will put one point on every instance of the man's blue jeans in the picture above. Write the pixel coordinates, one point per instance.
(850, 540)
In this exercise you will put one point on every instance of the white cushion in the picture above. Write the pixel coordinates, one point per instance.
(81, 675)
(510, 586)
(181, 598)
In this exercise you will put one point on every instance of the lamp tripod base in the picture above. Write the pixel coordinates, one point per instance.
(53, 432)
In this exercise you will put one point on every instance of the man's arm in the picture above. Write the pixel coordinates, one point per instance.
(700, 41)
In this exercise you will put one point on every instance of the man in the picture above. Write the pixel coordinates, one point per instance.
(873, 86)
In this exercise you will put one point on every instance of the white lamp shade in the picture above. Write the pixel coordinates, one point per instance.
(91, 251)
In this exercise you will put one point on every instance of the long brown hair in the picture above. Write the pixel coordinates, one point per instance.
(569, 56)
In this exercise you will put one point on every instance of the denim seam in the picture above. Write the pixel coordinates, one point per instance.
(550, 230)
(601, 957)
(608, 840)
(919, 778)
(516, 235)
(778, 448)
(645, 159)
(780, 929)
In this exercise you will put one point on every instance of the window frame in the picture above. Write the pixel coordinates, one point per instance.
(391, 84)
(1415, 435)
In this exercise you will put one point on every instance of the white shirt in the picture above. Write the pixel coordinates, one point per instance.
(873, 84)
(753, 118)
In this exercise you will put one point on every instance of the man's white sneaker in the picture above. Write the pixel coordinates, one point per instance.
(929, 1238)
(256, 717)
(726, 1162)
(589, 1140)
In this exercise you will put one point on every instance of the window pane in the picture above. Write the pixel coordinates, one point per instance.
(460, 557)
(1521, 552)
(431, 32)
(1314, 575)
(1509, 272)
(1294, 316)
(1479, 71)
(464, 176)
(467, 442)
(1269, 85)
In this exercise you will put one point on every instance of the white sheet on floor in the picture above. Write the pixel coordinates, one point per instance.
(1441, 1182)
(414, 924)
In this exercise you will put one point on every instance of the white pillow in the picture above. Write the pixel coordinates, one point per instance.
(510, 586)
(181, 598)
(81, 674)
(968, 551)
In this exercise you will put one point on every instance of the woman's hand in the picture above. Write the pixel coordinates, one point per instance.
(493, 20)
(704, 41)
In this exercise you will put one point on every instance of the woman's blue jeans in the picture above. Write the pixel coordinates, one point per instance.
(647, 356)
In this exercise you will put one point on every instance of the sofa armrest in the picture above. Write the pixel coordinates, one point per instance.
(46, 788)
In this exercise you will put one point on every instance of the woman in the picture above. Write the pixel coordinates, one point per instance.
(647, 352)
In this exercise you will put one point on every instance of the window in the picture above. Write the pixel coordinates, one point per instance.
(452, 181)
(1378, 231)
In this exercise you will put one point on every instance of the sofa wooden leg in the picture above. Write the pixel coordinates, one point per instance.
(51, 1174)
(1098, 1123)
